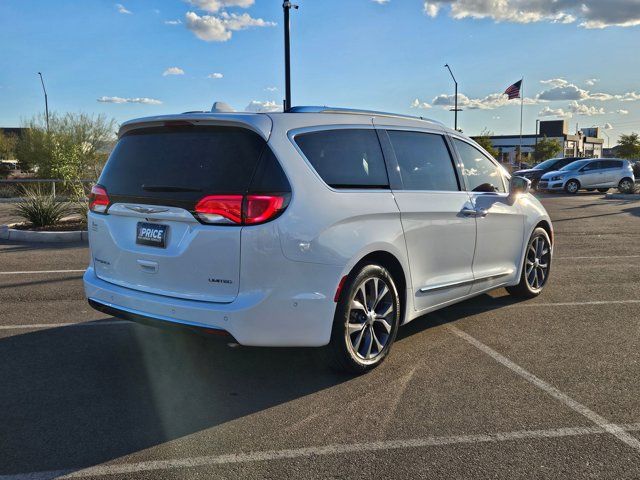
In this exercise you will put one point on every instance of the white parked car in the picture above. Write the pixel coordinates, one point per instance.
(317, 227)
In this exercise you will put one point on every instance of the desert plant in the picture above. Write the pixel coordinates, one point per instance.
(39, 209)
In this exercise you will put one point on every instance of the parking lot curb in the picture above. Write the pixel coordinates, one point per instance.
(8, 233)
(623, 196)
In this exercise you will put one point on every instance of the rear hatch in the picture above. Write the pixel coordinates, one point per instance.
(151, 238)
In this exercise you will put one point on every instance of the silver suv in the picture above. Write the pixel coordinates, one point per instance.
(317, 227)
(590, 174)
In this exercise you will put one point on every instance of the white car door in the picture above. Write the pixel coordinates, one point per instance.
(440, 238)
(499, 219)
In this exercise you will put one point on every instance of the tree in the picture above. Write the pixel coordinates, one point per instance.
(546, 148)
(629, 146)
(7, 146)
(74, 140)
(484, 140)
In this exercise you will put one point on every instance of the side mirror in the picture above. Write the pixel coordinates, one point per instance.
(519, 185)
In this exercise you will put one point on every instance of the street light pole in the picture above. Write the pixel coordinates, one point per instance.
(455, 108)
(46, 101)
(286, 6)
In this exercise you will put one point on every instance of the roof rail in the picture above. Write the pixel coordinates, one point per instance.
(355, 111)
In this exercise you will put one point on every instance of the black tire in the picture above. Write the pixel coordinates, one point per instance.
(341, 351)
(626, 185)
(590, 189)
(603, 190)
(525, 289)
(572, 186)
(534, 184)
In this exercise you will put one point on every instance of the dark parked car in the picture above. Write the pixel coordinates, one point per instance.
(534, 174)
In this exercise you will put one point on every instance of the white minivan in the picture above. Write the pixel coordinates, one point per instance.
(317, 227)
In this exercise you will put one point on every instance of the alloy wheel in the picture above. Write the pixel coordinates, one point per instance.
(372, 312)
(537, 264)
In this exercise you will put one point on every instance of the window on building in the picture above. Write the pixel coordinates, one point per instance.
(481, 174)
(424, 161)
(346, 158)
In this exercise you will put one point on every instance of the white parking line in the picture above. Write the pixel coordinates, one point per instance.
(322, 450)
(601, 422)
(575, 304)
(39, 272)
(597, 257)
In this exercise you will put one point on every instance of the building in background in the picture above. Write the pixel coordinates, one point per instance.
(585, 143)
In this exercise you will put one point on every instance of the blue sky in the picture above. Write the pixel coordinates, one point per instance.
(357, 53)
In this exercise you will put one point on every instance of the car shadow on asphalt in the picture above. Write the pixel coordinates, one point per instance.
(74, 397)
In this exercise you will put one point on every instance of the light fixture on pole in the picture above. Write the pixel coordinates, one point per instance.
(46, 101)
(286, 6)
(455, 109)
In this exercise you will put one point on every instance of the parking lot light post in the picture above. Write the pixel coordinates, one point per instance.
(286, 6)
(46, 101)
(455, 108)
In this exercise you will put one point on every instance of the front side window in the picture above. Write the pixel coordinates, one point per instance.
(424, 161)
(345, 158)
(481, 174)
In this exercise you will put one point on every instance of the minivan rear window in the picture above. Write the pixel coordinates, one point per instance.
(178, 165)
(346, 158)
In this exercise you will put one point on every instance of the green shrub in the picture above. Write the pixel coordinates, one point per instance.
(40, 210)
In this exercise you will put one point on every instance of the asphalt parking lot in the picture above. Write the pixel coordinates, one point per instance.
(491, 388)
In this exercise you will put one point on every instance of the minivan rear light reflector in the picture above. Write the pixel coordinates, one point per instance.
(98, 199)
(220, 209)
(260, 208)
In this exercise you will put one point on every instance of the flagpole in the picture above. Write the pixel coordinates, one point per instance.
(521, 110)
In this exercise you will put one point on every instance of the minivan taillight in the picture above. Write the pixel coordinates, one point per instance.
(98, 199)
(240, 209)
(220, 209)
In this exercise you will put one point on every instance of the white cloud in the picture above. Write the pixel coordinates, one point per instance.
(173, 71)
(591, 81)
(589, 13)
(144, 100)
(555, 82)
(622, 112)
(257, 106)
(218, 28)
(215, 76)
(381, 2)
(271, 89)
(490, 102)
(121, 9)
(584, 110)
(418, 104)
(566, 91)
(553, 112)
(173, 22)
(216, 5)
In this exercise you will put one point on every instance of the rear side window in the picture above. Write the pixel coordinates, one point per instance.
(179, 165)
(611, 164)
(346, 158)
(424, 161)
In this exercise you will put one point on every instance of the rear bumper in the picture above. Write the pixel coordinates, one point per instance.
(301, 316)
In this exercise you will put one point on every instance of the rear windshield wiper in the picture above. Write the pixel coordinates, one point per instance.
(169, 188)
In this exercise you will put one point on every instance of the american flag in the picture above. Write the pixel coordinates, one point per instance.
(514, 90)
